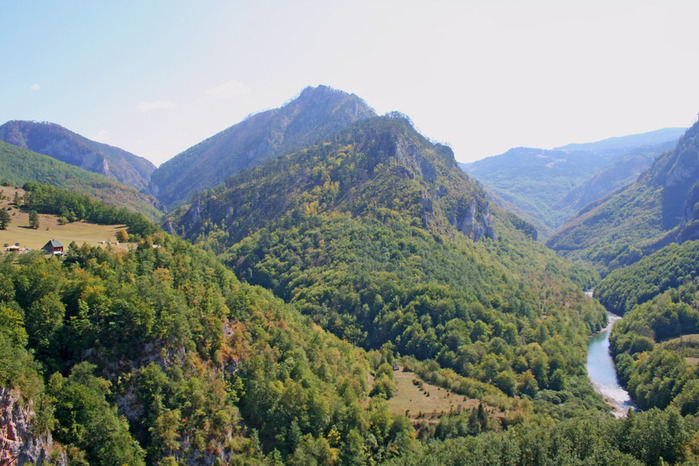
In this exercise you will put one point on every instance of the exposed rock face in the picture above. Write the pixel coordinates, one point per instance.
(473, 220)
(18, 445)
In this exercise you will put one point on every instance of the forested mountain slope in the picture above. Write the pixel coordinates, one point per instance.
(641, 218)
(19, 165)
(552, 185)
(159, 354)
(378, 235)
(314, 114)
(656, 343)
(64, 145)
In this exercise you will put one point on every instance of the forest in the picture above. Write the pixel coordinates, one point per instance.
(277, 328)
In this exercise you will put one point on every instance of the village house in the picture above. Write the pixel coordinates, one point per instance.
(53, 247)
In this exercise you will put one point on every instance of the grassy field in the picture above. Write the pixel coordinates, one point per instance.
(19, 232)
(429, 400)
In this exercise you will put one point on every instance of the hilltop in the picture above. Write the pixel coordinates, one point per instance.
(314, 114)
(377, 235)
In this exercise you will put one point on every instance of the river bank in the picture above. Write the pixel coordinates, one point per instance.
(602, 372)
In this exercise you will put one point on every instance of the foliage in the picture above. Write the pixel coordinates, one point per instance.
(653, 345)
(367, 233)
(72, 206)
(5, 219)
(653, 437)
(18, 166)
(193, 359)
(668, 268)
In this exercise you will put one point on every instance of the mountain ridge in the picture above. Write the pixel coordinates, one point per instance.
(659, 208)
(315, 113)
(62, 144)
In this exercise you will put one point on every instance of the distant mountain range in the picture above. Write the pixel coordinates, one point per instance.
(659, 208)
(64, 145)
(552, 185)
(315, 113)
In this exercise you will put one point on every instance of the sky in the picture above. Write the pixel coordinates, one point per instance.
(156, 77)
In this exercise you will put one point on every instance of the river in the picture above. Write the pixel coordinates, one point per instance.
(602, 373)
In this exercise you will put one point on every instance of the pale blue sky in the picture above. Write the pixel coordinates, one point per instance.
(155, 77)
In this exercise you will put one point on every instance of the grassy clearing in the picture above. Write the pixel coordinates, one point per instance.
(429, 400)
(19, 232)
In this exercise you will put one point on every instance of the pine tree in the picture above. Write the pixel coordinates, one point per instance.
(4, 219)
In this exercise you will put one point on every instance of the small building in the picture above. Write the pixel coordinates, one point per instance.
(53, 247)
(13, 248)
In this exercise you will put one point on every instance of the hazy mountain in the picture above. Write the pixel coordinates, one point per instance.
(19, 165)
(315, 113)
(657, 209)
(621, 172)
(621, 145)
(552, 185)
(64, 145)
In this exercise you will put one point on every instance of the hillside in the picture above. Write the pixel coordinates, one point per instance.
(19, 165)
(315, 113)
(18, 230)
(552, 185)
(64, 145)
(641, 218)
(378, 236)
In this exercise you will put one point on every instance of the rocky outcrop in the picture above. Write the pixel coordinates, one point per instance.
(473, 219)
(18, 444)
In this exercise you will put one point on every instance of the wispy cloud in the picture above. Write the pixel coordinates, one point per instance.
(101, 136)
(146, 107)
(228, 90)
(35, 87)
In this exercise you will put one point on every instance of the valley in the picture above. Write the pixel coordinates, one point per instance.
(319, 284)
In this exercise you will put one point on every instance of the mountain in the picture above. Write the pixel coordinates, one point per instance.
(621, 145)
(19, 165)
(552, 185)
(64, 145)
(377, 235)
(620, 173)
(315, 113)
(660, 207)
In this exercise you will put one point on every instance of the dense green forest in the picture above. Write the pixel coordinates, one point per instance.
(373, 243)
(19, 165)
(668, 268)
(654, 437)
(199, 365)
(656, 350)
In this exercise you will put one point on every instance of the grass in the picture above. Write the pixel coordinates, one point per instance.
(19, 232)
(429, 400)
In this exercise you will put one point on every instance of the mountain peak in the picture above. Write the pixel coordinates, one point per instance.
(316, 113)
